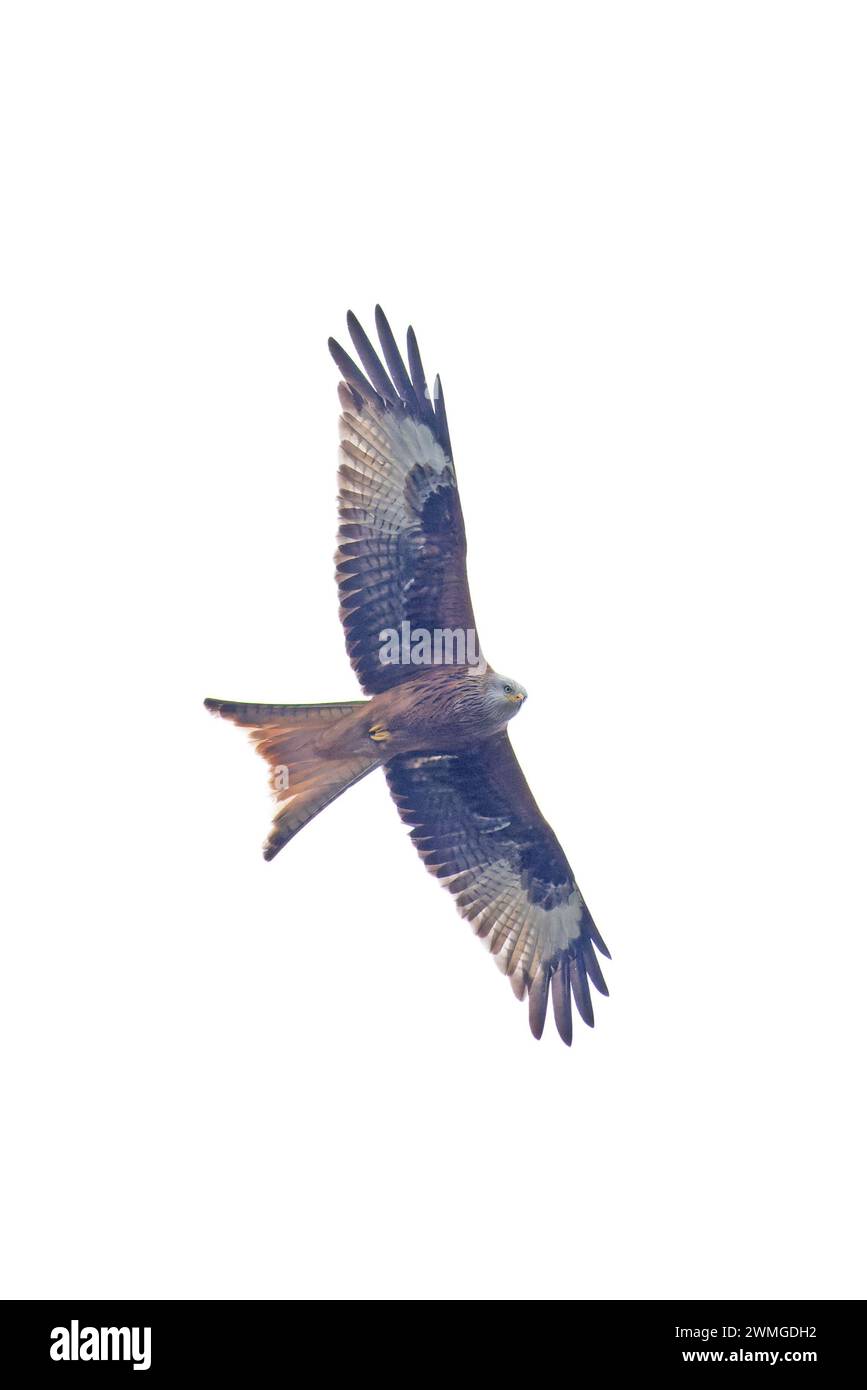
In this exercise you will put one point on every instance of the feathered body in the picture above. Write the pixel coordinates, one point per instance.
(442, 706)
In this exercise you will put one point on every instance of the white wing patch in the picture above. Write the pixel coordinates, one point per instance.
(378, 451)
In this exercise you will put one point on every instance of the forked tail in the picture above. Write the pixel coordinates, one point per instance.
(303, 781)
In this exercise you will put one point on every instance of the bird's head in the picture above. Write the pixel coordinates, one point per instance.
(509, 694)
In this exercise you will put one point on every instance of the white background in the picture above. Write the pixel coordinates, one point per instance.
(632, 240)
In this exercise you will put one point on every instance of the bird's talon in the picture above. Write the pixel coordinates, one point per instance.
(379, 733)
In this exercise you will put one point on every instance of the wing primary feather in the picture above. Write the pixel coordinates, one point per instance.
(560, 1000)
(583, 1001)
(591, 965)
(394, 361)
(370, 359)
(441, 419)
(418, 379)
(352, 374)
(593, 932)
(539, 1001)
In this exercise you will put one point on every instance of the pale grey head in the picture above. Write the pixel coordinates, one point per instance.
(504, 694)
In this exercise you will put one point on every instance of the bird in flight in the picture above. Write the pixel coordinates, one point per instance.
(438, 713)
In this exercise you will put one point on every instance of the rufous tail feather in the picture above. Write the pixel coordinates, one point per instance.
(303, 781)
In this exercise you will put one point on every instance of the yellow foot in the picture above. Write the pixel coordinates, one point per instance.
(379, 733)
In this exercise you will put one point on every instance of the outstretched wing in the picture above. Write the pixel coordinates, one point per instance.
(477, 827)
(401, 554)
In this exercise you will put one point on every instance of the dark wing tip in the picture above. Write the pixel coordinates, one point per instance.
(419, 383)
(369, 359)
(591, 965)
(566, 976)
(581, 990)
(442, 424)
(593, 932)
(560, 999)
(351, 373)
(391, 385)
(394, 362)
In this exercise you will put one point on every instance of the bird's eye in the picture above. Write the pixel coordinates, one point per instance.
(507, 690)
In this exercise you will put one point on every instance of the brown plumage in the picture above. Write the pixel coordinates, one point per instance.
(438, 730)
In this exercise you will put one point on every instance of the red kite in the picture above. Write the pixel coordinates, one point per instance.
(437, 716)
